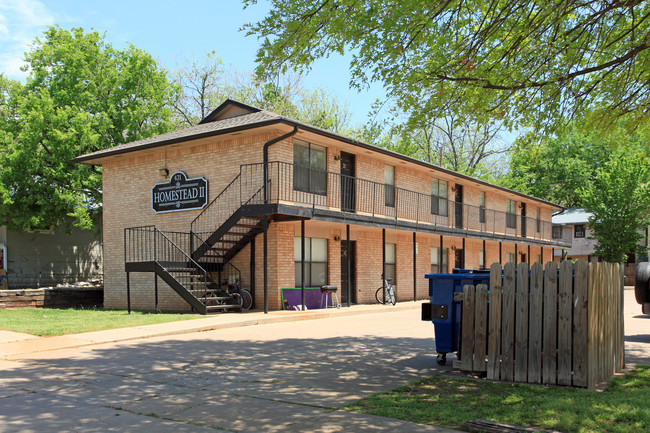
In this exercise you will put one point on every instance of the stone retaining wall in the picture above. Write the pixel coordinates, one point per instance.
(53, 297)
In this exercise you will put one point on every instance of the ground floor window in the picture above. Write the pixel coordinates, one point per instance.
(390, 263)
(435, 260)
(481, 259)
(315, 261)
(510, 257)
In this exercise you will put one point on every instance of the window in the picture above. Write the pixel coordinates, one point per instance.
(435, 260)
(510, 257)
(539, 220)
(557, 232)
(389, 181)
(315, 261)
(481, 209)
(511, 215)
(579, 231)
(438, 197)
(390, 263)
(481, 259)
(309, 173)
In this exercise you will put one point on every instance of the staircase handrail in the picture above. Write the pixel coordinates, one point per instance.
(230, 192)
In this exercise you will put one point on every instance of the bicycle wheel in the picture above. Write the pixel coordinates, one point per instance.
(247, 300)
(379, 296)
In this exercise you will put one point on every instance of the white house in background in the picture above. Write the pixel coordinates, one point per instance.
(572, 226)
(49, 257)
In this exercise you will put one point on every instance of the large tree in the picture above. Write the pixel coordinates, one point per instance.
(619, 202)
(206, 83)
(81, 95)
(525, 62)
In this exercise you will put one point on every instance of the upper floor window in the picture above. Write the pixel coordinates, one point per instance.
(511, 214)
(389, 182)
(309, 174)
(439, 197)
(579, 231)
(557, 232)
(481, 209)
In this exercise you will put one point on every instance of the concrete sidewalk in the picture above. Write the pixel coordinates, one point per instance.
(16, 344)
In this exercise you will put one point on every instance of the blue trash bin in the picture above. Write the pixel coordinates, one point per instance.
(444, 311)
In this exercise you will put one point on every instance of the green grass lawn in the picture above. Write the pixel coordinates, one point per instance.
(52, 321)
(624, 407)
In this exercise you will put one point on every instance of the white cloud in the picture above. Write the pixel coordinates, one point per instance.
(20, 22)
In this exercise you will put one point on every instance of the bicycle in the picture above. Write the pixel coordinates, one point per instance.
(389, 296)
(241, 296)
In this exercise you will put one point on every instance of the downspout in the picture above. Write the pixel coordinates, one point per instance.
(266, 157)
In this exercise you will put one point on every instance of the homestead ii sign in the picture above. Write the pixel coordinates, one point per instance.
(180, 193)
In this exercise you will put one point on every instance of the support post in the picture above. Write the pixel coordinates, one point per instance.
(415, 279)
(252, 272)
(349, 288)
(441, 255)
(528, 254)
(516, 255)
(302, 265)
(266, 269)
(463, 253)
(155, 289)
(383, 263)
(128, 293)
(541, 255)
(500, 254)
(552, 254)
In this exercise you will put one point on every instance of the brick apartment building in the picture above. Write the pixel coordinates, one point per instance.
(230, 197)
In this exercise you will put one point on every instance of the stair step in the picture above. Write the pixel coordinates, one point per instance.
(223, 307)
(180, 269)
(248, 226)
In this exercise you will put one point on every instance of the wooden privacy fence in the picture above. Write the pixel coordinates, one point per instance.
(545, 325)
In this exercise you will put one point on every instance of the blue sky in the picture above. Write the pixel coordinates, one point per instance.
(169, 30)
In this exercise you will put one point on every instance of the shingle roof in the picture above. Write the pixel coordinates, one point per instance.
(572, 215)
(216, 127)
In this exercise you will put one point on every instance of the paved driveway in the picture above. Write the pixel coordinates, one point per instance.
(276, 377)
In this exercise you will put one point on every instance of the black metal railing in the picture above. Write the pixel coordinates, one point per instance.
(168, 250)
(339, 192)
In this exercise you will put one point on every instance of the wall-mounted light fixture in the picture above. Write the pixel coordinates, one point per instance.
(337, 238)
(163, 172)
(337, 157)
(453, 247)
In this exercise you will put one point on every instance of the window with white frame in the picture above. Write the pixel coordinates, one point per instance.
(439, 197)
(315, 261)
(390, 263)
(309, 174)
(435, 260)
(389, 185)
(511, 214)
(579, 231)
(481, 259)
(510, 257)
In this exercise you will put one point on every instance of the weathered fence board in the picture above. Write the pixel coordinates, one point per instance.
(521, 327)
(508, 323)
(494, 332)
(480, 325)
(467, 347)
(549, 325)
(554, 325)
(564, 320)
(535, 324)
(579, 304)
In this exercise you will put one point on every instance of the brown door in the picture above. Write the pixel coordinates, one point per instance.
(348, 249)
(348, 190)
(460, 259)
(458, 205)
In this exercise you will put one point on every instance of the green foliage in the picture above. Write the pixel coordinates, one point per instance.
(81, 95)
(55, 321)
(621, 408)
(619, 202)
(522, 62)
(205, 84)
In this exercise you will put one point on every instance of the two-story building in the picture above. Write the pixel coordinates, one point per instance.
(238, 195)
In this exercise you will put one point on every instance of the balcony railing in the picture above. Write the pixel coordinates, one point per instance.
(294, 184)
